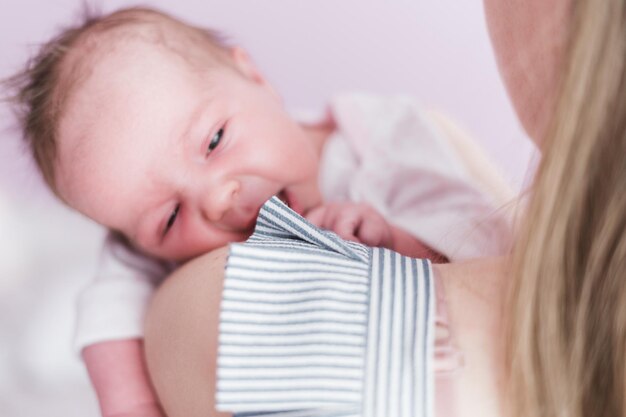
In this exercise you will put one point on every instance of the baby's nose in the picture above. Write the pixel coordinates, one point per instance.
(218, 201)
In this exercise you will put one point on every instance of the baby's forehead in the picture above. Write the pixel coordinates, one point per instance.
(103, 56)
(197, 47)
(113, 116)
(105, 67)
(114, 38)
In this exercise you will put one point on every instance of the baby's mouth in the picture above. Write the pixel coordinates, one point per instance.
(290, 200)
(283, 196)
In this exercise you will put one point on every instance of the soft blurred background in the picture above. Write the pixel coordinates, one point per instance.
(436, 50)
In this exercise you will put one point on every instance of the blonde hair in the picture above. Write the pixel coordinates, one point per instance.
(567, 324)
(42, 88)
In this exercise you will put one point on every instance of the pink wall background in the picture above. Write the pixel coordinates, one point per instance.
(435, 50)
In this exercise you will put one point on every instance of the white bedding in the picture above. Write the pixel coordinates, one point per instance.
(39, 278)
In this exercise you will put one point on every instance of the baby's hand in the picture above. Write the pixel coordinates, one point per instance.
(353, 221)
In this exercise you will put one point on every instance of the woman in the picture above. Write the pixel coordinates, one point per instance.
(543, 333)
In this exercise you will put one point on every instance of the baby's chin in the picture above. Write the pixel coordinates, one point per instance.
(177, 256)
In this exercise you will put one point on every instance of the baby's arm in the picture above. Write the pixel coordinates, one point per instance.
(118, 373)
(109, 330)
(407, 245)
(361, 223)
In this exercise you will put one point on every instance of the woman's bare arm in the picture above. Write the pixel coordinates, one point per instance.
(183, 325)
(181, 336)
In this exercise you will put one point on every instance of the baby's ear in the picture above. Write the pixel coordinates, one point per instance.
(244, 64)
(248, 69)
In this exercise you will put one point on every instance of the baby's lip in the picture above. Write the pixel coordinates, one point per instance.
(290, 200)
(243, 217)
(282, 196)
(241, 220)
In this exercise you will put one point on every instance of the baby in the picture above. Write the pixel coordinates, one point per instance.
(173, 140)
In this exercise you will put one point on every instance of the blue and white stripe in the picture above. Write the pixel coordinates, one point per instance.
(312, 325)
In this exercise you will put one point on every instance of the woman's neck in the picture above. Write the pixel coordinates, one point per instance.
(475, 292)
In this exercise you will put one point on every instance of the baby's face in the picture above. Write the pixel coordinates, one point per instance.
(177, 160)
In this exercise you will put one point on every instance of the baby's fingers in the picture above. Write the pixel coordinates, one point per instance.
(374, 233)
(317, 215)
(347, 225)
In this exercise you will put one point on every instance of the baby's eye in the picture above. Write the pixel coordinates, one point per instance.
(215, 140)
(172, 219)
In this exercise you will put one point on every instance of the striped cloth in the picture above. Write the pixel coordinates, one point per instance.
(312, 325)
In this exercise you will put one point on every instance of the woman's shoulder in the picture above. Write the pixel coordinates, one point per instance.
(213, 261)
(198, 283)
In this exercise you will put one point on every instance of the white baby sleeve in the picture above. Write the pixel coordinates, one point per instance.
(113, 304)
(404, 167)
